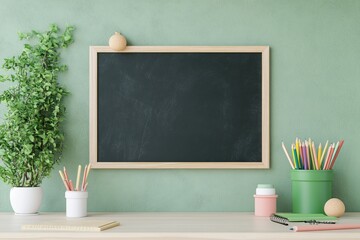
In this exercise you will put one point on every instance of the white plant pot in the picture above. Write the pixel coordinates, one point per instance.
(25, 200)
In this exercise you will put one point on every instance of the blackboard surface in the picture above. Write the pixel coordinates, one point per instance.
(179, 107)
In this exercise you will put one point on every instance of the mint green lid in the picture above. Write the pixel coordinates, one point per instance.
(265, 186)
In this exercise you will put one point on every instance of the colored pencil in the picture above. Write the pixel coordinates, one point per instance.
(305, 157)
(308, 162)
(87, 175)
(296, 159)
(85, 186)
(331, 150)
(319, 156)
(325, 227)
(71, 185)
(63, 179)
(312, 155)
(297, 151)
(333, 155)
(325, 159)
(301, 156)
(78, 178)
(311, 159)
(88, 170)
(66, 175)
(293, 155)
(301, 159)
(287, 156)
(293, 151)
(330, 157)
(322, 156)
(84, 178)
(336, 154)
(315, 157)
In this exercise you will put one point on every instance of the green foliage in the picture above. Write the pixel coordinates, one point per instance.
(31, 138)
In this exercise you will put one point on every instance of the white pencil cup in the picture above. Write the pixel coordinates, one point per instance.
(76, 204)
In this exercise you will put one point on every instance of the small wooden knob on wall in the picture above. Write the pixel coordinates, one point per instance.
(117, 42)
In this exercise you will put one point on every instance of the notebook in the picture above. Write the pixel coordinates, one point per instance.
(285, 218)
(72, 225)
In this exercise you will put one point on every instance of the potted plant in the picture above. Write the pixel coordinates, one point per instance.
(31, 137)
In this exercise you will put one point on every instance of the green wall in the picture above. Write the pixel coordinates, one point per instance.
(315, 84)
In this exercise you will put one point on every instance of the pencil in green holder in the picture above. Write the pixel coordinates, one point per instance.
(298, 152)
(296, 159)
(298, 155)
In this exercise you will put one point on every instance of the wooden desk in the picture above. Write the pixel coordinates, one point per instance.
(173, 226)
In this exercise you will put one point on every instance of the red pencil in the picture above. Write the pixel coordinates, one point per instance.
(66, 175)
(71, 186)
(327, 163)
(326, 158)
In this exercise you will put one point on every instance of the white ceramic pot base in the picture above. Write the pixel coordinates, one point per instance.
(25, 200)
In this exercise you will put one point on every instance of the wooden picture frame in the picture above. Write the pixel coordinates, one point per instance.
(93, 108)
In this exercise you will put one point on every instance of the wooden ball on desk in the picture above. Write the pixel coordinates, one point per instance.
(334, 207)
(117, 42)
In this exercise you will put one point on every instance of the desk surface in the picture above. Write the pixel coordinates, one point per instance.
(177, 226)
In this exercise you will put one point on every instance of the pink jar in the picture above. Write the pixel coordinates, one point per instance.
(265, 200)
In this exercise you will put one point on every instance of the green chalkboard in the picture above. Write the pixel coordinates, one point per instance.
(180, 107)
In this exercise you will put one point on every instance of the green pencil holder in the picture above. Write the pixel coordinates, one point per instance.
(310, 190)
